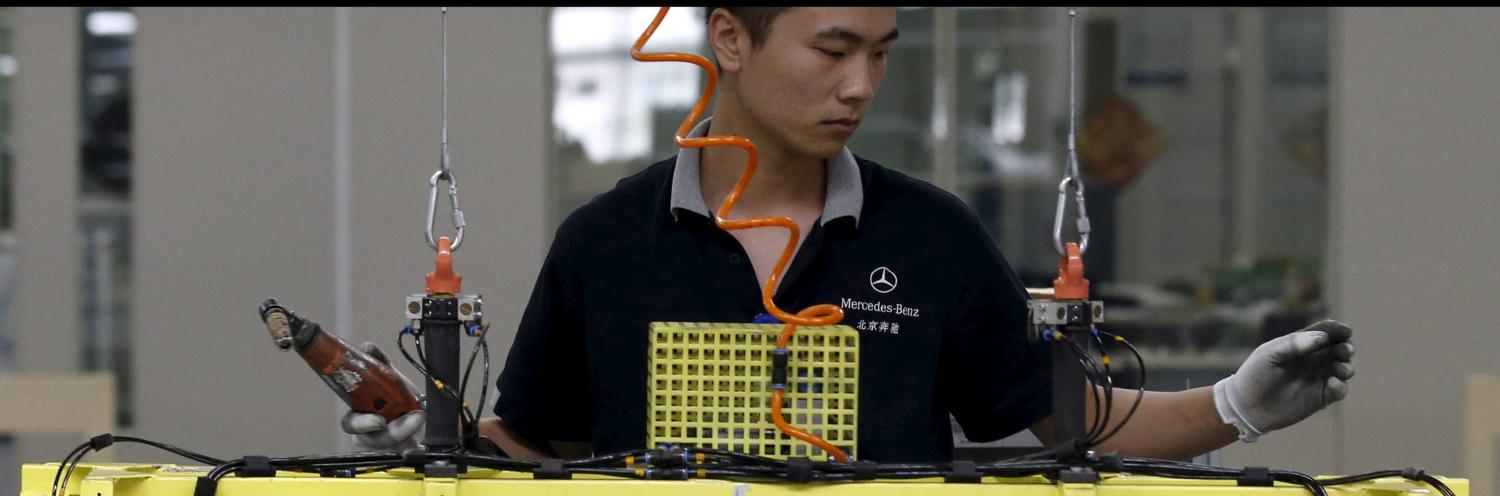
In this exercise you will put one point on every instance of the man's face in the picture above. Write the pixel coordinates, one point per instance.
(809, 83)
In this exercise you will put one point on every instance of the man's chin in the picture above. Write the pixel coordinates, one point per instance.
(824, 149)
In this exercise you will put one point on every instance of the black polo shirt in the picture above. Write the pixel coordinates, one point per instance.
(941, 313)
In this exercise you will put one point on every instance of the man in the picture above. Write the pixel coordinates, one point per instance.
(796, 81)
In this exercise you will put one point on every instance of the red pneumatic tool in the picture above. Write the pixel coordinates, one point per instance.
(365, 383)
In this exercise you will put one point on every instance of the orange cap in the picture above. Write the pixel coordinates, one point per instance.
(1070, 284)
(442, 279)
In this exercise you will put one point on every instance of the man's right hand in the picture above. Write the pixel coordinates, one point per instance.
(371, 431)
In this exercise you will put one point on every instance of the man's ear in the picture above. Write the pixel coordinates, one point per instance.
(728, 40)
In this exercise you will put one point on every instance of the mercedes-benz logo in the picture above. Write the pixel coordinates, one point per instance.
(883, 280)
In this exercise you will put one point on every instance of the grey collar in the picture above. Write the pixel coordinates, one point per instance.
(845, 195)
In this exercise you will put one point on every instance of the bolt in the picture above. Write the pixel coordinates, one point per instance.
(466, 309)
(414, 307)
(1098, 311)
(1062, 313)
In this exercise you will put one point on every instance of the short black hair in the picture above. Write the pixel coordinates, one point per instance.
(757, 20)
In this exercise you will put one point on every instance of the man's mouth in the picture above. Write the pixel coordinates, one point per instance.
(842, 126)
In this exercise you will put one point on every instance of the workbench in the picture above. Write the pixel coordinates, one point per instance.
(125, 479)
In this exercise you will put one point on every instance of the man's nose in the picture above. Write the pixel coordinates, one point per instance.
(859, 84)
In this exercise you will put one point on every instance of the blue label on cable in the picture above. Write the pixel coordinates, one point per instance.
(766, 318)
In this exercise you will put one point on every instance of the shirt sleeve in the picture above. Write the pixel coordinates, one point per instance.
(994, 382)
(544, 389)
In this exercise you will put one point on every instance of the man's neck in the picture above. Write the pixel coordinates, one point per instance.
(783, 182)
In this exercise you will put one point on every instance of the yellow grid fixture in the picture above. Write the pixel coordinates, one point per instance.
(709, 386)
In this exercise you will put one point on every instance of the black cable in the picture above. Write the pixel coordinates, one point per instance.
(1109, 388)
(67, 462)
(463, 386)
(484, 393)
(471, 430)
(105, 440)
(465, 415)
(1090, 372)
(1305, 480)
(197, 457)
(759, 460)
(401, 344)
(604, 459)
(1360, 477)
(1436, 484)
(1140, 393)
(1410, 474)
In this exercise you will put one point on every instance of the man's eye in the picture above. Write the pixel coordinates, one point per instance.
(831, 53)
(881, 55)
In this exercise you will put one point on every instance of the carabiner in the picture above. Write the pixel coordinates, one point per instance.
(458, 215)
(1083, 219)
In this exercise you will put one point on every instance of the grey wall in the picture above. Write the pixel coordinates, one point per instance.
(1413, 208)
(244, 118)
(44, 314)
(1414, 151)
(46, 187)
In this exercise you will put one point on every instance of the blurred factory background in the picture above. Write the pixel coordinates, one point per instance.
(1250, 170)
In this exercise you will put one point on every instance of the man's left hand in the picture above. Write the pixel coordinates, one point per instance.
(1288, 379)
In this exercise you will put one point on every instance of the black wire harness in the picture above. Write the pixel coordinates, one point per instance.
(683, 463)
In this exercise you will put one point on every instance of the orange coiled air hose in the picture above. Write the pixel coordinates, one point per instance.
(817, 315)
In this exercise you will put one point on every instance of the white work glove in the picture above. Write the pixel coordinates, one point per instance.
(371, 431)
(1288, 379)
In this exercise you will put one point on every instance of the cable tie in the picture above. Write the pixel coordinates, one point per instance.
(866, 470)
(799, 469)
(336, 473)
(206, 486)
(672, 457)
(101, 441)
(551, 469)
(1078, 475)
(1112, 462)
(1413, 473)
(778, 368)
(962, 472)
(1256, 477)
(440, 469)
(415, 457)
(256, 466)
